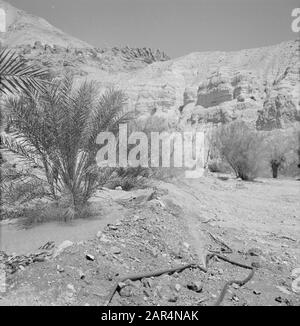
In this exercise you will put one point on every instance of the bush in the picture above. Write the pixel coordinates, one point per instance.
(279, 146)
(241, 148)
(217, 166)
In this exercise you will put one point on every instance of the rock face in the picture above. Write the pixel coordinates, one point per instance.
(260, 86)
(217, 90)
(277, 112)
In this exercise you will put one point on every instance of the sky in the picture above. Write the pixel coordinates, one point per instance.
(177, 27)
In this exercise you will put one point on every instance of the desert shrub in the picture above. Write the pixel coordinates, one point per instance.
(57, 129)
(279, 145)
(241, 147)
(281, 149)
(217, 166)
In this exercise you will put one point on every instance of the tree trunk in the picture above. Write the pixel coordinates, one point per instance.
(275, 168)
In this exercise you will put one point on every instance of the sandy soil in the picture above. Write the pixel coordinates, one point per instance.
(259, 221)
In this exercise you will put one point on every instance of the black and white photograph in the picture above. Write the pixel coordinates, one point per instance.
(149, 156)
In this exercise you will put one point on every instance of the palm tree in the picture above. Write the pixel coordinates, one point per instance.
(16, 75)
(57, 130)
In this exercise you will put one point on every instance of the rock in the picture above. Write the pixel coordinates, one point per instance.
(158, 291)
(115, 250)
(71, 287)
(154, 252)
(235, 286)
(99, 234)
(254, 252)
(177, 287)
(256, 264)
(235, 298)
(172, 297)
(118, 188)
(48, 48)
(196, 286)
(104, 239)
(38, 45)
(60, 269)
(240, 98)
(147, 293)
(186, 245)
(58, 49)
(81, 274)
(214, 91)
(64, 245)
(112, 227)
(122, 284)
(283, 289)
(89, 257)
(278, 111)
(147, 282)
(256, 292)
(126, 291)
(282, 300)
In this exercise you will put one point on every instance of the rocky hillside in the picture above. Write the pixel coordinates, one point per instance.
(260, 86)
(23, 28)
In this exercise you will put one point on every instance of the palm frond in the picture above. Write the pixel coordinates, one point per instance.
(22, 150)
(16, 75)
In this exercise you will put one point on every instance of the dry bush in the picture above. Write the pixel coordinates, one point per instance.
(281, 148)
(217, 166)
(241, 147)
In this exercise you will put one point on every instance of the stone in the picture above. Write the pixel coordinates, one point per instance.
(154, 252)
(115, 250)
(89, 257)
(235, 298)
(104, 239)
(186, 245)
(254, 252)
(172, 297)
(126, 291)
(60, 269)
(71, 287)
(63, 246)
(235, 286)
(196, 286)
(112, 227)
(283, 289)
(38, 45)
(177, 287)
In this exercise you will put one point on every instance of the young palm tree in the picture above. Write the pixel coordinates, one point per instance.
(57, 130)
